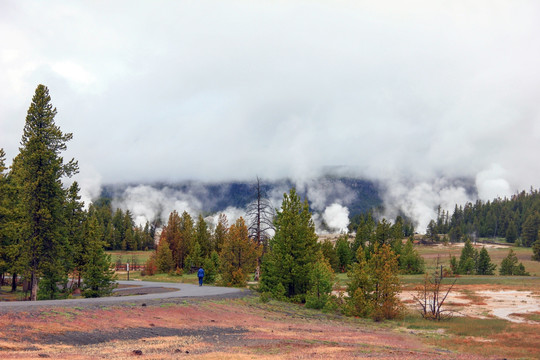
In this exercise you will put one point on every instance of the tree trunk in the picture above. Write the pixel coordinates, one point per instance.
(33, 288)
(14, 283)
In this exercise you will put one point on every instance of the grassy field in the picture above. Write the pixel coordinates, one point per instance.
(443, 253)
(497, 254)
(132, 257)
(136, 275)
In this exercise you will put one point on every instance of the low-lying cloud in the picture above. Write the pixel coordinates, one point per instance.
(412, 96)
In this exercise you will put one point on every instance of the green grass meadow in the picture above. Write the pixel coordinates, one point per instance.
(132, 257)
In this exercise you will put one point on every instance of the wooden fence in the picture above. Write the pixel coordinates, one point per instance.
(132, 267)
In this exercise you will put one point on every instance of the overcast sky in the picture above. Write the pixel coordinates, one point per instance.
(412, 92)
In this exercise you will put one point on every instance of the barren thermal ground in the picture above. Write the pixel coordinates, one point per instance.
(223, 328)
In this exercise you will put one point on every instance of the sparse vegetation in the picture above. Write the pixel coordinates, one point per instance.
(432, 295)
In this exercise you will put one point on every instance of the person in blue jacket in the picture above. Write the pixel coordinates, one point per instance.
(200, 275)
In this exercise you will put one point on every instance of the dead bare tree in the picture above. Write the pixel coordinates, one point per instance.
(432, 295)
(260, 215)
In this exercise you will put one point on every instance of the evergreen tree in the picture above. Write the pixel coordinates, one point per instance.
(360, 288)
(239, 255)
(179, 233)
(220, 232)
(330, 254)
(455, 234)
(384, 265)
(211, 268)
(293, 250)
(343, 252)
(5, 218)
(529, 232)
(148, 237)
(536, 249)
(374, 285)
(322, 281)
(454, 265)
(41, 171)
(484, 264)
(431, 231)
(511, 232)
(510, 266)
(119, 231)
(138, 237)
(129, 236)
(363, 235)
(202, 236)
(383, 232)
(12, 224)
(467, 259)
(410, 261)
(164, 259)
(195, 258)
(171, 234)
(108, 236)
(4, 209)
(98, 278)
(397, 229)
(186, 240)
(74, 218)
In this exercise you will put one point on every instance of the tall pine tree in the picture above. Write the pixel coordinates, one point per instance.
(293, 250)
(202, 236)
(42, 169)
(220, 233)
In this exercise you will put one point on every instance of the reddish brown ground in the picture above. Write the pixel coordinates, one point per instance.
(209, 329)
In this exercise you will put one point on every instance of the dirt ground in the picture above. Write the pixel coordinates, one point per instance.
(210, 329)
(477, 302)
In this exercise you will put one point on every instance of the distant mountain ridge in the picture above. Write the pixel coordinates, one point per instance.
(358, 195)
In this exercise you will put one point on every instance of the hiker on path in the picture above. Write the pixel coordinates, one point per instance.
(200, 275)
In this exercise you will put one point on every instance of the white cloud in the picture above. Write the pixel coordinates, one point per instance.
(75, 74)
(408, 94)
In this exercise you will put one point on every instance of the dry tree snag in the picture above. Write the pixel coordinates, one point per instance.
(260, 216)
(432, 294)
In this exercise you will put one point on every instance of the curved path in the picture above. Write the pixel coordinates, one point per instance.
(183, 291)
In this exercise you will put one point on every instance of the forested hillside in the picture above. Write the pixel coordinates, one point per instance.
(358, 195)
(515, 219)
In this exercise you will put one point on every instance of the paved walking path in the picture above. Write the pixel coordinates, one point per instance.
(184, 291)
